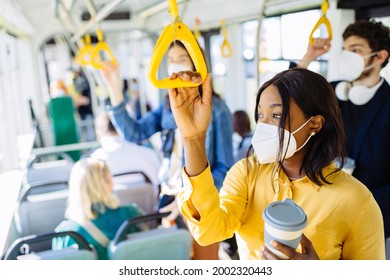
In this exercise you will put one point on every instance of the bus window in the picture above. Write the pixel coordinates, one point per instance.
(218, 66)
(249, 36)
(284, 38)
(385, 73)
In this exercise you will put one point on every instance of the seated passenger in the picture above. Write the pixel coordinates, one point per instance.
(93, 210)
(123, 156)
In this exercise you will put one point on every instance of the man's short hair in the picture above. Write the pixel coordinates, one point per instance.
(377, 35)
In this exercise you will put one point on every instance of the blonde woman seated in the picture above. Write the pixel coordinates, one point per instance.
(93, 210)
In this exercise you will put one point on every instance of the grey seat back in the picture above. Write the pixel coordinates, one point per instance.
(38, 211)
(21, 248)
(49, 170)
(135, 187)
(154, 244)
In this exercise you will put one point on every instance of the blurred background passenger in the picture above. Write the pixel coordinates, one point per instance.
(122, 155)
(61, 112)
(93, 210)
(242, 127)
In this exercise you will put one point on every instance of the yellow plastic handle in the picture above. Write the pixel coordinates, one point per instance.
(101, 46)
(173, 10)
(96, 59)
(83, 56)
(177, 31)
(226, 48)
(322, 20)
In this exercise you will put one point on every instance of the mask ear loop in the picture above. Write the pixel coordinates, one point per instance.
(299, 128)
(372, 64)
(307, 140)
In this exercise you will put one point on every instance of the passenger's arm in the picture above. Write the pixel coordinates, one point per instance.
(315, 50)
(223, 150)
(192, 114)
(213, 216)
(129, 128)
(112, 79)
(135, 130)
(210, 218)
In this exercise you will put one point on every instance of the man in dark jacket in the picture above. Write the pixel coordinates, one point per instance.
(364, 99)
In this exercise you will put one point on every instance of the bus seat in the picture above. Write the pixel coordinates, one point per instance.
(154, 244)
(135, 187)
(141, 194)
(38, 211)
(21, 248)
(48, 171)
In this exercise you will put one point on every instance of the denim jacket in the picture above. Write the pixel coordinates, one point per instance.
(219, 147)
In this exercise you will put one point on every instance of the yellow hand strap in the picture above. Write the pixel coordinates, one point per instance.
(226, 48)
(101, 46)
(323, 20)
(175, 31)
(196, 29)
(83, 56)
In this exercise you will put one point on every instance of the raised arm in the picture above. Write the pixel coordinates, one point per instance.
(314, 51)
(192, 114)
(112, 79)
(131, 129)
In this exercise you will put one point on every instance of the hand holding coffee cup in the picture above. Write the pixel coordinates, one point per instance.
(284, 222)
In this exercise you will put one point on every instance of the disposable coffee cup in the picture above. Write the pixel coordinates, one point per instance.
(284, 222)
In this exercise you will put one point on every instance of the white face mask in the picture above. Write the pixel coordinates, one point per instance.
(265, 142)
(176, 68)
(135, 87)
(59, 93)
(358, 95)
(352, 65)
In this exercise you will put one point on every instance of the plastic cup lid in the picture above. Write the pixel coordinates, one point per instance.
(285, 215)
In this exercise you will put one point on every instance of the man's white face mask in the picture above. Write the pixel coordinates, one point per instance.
(351, 68)
(351, 65)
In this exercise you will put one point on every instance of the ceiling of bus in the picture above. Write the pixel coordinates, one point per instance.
(48, 17)
(152, 14)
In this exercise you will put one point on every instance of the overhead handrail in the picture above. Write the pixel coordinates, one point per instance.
(226, 47)
(100, 15)
(101, 46)
(177, 30)
(323, 20)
